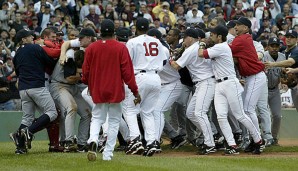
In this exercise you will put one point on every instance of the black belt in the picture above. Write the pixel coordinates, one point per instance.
(194, 83)
(162, 84)
(223, 79)
(271, 88)
(144, 71)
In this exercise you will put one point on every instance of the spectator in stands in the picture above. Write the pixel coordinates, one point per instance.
(286, 12)
(158, 27)
(207, 11)
(143, 10)
(265, 25)
(18, 24)
(110, 13)
(38, 5)
(5, 16)
(85, 10)
(274, 8)
(44, 17)
(238, 11)
(92, 16)
(190, 14)
(180, 13)
(195, 18)
(254, 22)
(163, 9)
(6, 103)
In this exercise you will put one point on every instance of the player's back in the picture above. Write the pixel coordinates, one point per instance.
(147, 53)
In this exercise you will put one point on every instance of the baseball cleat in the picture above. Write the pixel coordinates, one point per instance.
(91, 155)
(134, 146)
(150, 149)
(259, 147)
(231, 150)
(206, 150)
(28, 137)
(21, 151)
(14, 138)
(177, 142)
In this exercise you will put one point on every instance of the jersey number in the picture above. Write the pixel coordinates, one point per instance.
(151, 49)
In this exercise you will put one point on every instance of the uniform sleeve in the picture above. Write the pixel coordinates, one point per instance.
(214, 51)
(75, 43)
(294, 55)
(129, 46)
(86, 66)
(43, 55)
(127, 71)
(259, 47)
(185, 59)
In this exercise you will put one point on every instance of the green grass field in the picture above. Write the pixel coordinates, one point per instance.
(184, 159)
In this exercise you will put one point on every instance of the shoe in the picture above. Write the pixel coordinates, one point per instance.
(194, 143)
(120, 148)
(28, 137)
(231, 150)
(177, 142)
(70, 146)
(14, 137)
(135, 146)
(259, 147)
(218, 138)
(238, 138)
(102, 144)
(158, 148)
(21, 151)
(245, 143)
(250, 147)
(53, 148)
(268, 142)
(206, 150)
(275, 142)
(91, 155)
(82, 148)
(106, 158)
(150, 149)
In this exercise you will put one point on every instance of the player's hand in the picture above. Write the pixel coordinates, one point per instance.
(268, 65)
(137, 99)
(289, 70)
(63, 59)
(242, 82)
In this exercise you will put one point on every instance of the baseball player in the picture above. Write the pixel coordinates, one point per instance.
(273, 75)
(147, 56)
(170, 90)
(291, 53)
(250, 68)
(228, 89)
(30, 62)
(203, 78)
(106, 67)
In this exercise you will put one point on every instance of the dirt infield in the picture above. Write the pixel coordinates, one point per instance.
(282, 143)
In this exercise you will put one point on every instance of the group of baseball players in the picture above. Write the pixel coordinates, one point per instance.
(221, 86)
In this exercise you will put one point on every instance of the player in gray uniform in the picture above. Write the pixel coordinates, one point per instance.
(30, 62)
(273, 75)
(67, 95)
(203, 78)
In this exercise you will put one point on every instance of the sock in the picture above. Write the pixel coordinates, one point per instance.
(40, 123)
(22, 126)
(121, 140)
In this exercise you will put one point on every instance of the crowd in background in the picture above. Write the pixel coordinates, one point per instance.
(269, 18)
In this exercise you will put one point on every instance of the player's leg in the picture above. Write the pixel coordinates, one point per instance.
(86, 96)
(84, 125)
(168, 95)
(99, 114)
(253, 89)
(115, 113)
(275, 106)
(265, 118)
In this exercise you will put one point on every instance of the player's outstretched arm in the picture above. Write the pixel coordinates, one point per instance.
(64, 47)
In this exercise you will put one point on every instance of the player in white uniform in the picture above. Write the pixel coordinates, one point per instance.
(170, 90)
(203, 78)
(228, 91)
(147, 56)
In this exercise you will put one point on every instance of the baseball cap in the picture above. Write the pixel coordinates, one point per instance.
(107, 26)
(206, 6)
(165, 3)
(142, 24)
(243, 21)
(1, 62)
(291, 33)
(220, 30)
(250, 9)
(87, 32)
(23, 33)
(274, 40)
(191, 33)
(282, 33)
(201, 33)
(123, 33)
(271, 2)
(196, 9)
(34, 18)
(155, 32)
(231, 24)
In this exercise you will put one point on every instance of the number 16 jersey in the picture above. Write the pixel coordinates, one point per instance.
(146, 53)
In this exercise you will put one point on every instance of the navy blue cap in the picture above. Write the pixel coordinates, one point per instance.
(243, 21)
